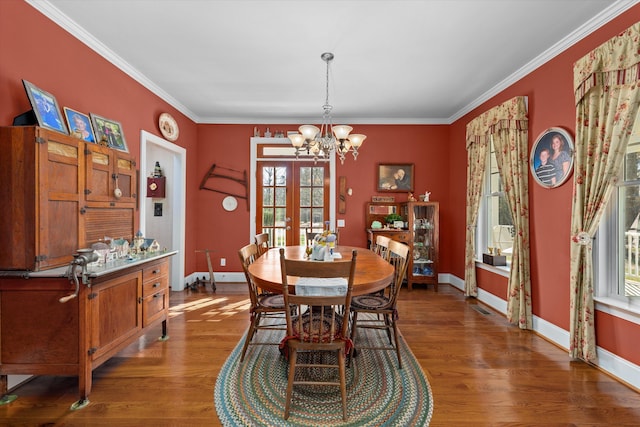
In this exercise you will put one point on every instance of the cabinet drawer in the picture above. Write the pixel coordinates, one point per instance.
(154, 307)
(150, 287)
(401, 237)
(155, 271)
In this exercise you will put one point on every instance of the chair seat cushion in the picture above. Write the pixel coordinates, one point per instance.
(369, 302)
(309, 323)
(272, 300)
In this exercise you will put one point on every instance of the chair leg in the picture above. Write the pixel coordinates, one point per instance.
(354, 324)
(293, 355)
(255, 318)
(343, 383)
(388, 321)
(395, 334)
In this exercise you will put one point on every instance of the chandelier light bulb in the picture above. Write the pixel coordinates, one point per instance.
(309, 131)
(342, 131)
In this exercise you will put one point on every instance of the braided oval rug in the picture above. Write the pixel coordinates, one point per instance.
(378, 393)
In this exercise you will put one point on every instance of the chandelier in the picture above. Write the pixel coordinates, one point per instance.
(321, 142)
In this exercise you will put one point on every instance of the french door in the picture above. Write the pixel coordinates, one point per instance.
(292, 199)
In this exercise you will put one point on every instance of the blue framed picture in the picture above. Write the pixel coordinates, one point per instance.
(45, 108)
(79, 125)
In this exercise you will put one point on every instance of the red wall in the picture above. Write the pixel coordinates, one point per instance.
(55, 61)
(425, 146)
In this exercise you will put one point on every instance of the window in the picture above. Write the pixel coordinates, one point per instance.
(617, 244)
(495, 225)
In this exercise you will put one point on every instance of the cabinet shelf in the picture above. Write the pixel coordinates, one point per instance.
(423, 222)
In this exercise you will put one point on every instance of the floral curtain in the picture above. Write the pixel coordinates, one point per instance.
(507, 126)
(607, 94)
(476, 163)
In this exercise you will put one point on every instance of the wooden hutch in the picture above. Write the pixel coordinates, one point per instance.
(420, 232)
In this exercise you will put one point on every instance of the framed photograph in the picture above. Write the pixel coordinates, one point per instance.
(395, 177)
(45, 108)
(551, 159)
(79, 125)
(110, 132)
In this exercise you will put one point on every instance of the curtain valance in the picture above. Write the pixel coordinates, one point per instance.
(511, 114)
(615, 62)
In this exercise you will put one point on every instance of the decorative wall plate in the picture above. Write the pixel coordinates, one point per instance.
(168, 127)
(229, 203)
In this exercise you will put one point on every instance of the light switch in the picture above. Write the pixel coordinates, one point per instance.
(341, 223)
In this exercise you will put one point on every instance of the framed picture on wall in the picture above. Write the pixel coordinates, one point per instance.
(395, 177)
(79, 125)
(109, 131)
(551, 159)
(45, 108)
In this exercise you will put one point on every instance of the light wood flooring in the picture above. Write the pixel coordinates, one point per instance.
(483, 372)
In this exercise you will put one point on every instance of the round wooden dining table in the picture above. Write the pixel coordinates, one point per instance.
(372, 272)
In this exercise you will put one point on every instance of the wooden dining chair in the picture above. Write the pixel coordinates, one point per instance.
(310, 234)
(262, 241)
(382, 305)
(267, 310)
(381, 246)
(320, 330)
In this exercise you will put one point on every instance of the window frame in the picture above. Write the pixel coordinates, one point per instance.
(483, 230)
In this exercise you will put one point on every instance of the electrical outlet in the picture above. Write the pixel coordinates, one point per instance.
(223, 262)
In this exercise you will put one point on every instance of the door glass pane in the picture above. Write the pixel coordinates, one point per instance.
(318, 176)
(281, 176)
(281, 196)
(318, 196)
(267, 218)
(305, 176)
(268, 176)
(281, 215)
(305, 197)
(267, 196)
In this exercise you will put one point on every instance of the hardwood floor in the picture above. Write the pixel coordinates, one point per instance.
(483, 372)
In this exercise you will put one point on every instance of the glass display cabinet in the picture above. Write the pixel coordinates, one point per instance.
(423, 224)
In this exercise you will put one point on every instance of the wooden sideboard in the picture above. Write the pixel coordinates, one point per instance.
(43, 336)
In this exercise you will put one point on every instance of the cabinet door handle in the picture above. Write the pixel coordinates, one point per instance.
(155, 285)
(156, 271)
(157, 295)
(140, 300)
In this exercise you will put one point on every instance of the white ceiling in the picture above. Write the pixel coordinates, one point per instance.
(258, 61)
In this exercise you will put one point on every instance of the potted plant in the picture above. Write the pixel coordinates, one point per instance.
(392, 218)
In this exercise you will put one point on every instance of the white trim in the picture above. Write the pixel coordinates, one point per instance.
(254, 142)
(618, 308)
(618, 367)
(179, 183)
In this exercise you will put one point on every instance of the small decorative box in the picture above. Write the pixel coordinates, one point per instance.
(494, 259)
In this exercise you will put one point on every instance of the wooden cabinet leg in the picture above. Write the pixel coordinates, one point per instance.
(6, 398)
(165, 334)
